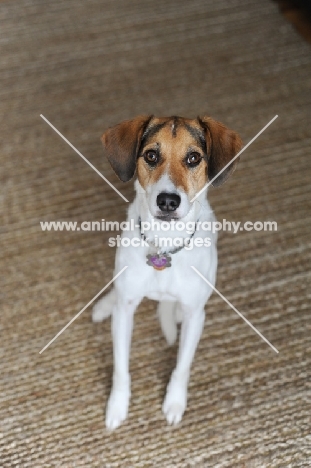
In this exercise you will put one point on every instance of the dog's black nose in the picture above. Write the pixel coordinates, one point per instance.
(168, 201)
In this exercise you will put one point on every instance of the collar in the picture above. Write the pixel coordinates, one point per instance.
(171, 252)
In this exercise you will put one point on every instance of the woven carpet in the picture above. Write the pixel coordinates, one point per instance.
(86, 66)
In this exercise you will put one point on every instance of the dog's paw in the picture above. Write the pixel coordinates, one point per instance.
(117, 408)
(99, 313)
(103, 308)
(175, 401)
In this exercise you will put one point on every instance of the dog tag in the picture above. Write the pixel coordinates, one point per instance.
(159, 261)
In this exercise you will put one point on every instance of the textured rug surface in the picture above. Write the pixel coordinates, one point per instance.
(86, 66)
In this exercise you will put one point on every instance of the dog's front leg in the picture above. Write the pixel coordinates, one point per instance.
(122, 326)
(175, 401)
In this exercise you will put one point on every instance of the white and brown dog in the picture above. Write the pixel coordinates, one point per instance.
(174, 157)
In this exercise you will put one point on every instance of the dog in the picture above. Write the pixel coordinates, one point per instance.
(174, 158)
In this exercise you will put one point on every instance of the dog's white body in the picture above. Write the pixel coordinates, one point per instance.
(174, 158)
(182, 295)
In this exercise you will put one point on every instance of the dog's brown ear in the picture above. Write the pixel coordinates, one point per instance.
(222, 145)
(122, 144)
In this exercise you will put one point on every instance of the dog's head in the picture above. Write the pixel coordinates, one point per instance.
(174, 157)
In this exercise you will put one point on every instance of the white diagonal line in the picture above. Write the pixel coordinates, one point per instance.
(230, 162)
(84, 158)
(236, 310)
(82, 310)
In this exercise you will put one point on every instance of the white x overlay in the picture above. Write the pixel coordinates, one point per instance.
(122, 196)
(82, 310)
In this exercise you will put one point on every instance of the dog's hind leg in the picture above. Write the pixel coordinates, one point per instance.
(103, 308)
(168, 320)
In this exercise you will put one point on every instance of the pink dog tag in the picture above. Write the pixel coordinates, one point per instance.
(159, 261)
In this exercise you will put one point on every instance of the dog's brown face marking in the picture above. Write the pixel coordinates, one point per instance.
(177, 147)
(188, 152)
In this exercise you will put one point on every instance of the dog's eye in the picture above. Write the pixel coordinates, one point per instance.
(193, 159)
(151, 157)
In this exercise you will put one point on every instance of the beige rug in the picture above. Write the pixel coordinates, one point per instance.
(88, 65)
